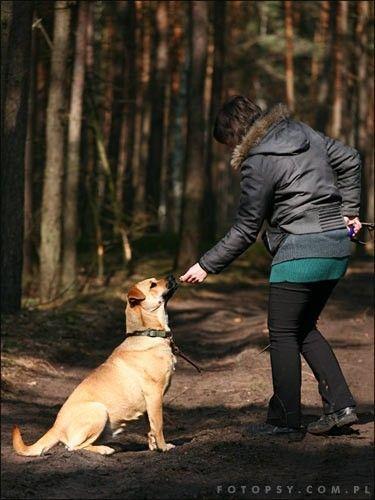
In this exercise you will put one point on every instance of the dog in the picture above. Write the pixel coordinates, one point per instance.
(132, 381)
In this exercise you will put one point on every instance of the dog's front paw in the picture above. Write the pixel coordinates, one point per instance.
(105, 450)
(168, 446)
(152, 442)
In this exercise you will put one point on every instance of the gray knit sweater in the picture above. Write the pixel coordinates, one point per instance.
(335, 243)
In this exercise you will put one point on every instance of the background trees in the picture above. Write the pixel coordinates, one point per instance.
(121, 99)
(70, 229)
(193, 180)
(51, 215)
(16, 20)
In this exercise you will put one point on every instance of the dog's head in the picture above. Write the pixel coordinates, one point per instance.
(146, 302)
(151, 293)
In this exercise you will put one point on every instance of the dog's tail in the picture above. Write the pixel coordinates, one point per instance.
(46, 442)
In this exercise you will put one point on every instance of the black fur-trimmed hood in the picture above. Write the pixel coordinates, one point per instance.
(272, 133)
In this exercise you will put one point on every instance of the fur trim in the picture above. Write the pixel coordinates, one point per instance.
(256, 133)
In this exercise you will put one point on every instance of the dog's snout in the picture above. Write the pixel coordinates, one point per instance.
(171, 281)
(171, 285)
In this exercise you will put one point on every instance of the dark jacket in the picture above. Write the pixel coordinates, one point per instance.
(295, 178)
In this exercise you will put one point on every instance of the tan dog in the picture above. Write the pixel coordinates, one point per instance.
(131, 381)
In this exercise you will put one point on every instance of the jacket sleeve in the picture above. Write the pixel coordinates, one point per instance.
(256, 195)
(346, 163)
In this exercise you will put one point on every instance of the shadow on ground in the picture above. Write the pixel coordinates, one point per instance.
(223, 327)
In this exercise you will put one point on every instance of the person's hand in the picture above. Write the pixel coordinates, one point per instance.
(194, 275)
(353, 222)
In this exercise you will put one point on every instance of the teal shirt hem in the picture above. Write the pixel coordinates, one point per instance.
(309, 270)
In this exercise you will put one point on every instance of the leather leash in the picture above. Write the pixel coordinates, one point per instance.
(177, 351)
(165, 335)
(263, 350)
(355, 238)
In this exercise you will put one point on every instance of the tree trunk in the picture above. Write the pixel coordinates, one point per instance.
(29, 163)
(124, 180)
(109, 74)
(364, 114)
(338, 68)
(143, 113)
(6, 23)
(369, 158)
(162, 208)
(361, 64)
(73, 167)
(16, 20)
(322, 112)
(216, 96)
(320, 40)
(94, 190)
(173, 143)
(111, 71)
(194, 167)
(50, 245)
(157, 94)
(289, 68)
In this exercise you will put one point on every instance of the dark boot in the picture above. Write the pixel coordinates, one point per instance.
(293, 434)
(346, 416)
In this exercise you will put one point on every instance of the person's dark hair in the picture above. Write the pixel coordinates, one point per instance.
(234, 119)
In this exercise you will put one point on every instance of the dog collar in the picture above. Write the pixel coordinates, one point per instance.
(163, 334)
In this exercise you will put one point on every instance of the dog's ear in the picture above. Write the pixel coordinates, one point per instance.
(135, 296)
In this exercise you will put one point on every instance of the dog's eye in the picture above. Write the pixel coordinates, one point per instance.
(153, 285)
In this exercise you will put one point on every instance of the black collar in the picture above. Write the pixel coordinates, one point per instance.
(163, 334)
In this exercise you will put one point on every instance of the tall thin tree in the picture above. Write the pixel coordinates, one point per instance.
(219, 21)
(361, 42)
(73, 167)
(108, 72)
(194, 165)
(364, 110)
(143, 115)
(29, 165)
(174, 149)
(16, 20)
(124, 180)
(94, 181)
(157, 95)
(341, 26)
(50, 230)
(322, 109)
(289, 65)
(318, 54)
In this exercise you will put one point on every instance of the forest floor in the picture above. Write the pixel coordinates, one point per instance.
(222, 325)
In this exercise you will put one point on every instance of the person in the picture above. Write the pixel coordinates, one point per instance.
(306, 187)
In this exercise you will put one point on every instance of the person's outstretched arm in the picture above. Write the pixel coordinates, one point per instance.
(256, 195)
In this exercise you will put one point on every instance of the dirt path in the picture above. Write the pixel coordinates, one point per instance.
(207, 416)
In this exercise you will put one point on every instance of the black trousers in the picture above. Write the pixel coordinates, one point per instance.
(293, 311)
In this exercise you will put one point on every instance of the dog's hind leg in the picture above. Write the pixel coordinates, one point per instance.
(89, 423)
